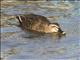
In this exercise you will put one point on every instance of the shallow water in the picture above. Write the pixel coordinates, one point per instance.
(45, 47)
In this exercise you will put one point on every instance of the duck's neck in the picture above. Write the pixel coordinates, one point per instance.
(47, 29)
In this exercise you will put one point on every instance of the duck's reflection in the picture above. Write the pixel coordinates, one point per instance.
(58, 35)
(34, 34)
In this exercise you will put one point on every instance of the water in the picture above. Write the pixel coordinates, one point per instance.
(45, 47)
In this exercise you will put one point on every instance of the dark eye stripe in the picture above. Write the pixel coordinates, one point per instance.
(55, 26)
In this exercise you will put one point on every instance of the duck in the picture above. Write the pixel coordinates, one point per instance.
(38, 23)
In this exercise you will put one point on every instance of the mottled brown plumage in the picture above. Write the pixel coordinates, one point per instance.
(37, 23)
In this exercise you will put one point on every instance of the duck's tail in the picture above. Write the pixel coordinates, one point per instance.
(19, 19)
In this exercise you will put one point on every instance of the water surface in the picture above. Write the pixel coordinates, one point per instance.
(17, 46)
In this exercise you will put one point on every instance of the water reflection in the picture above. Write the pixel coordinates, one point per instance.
(33, 34)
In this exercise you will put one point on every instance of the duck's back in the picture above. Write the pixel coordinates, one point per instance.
(35, 18)
(33, 22)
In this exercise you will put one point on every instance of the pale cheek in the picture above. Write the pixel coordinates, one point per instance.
(55, 30)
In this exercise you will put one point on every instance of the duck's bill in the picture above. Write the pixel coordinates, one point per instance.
(62, 32)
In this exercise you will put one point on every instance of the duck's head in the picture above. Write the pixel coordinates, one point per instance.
(54, 27)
